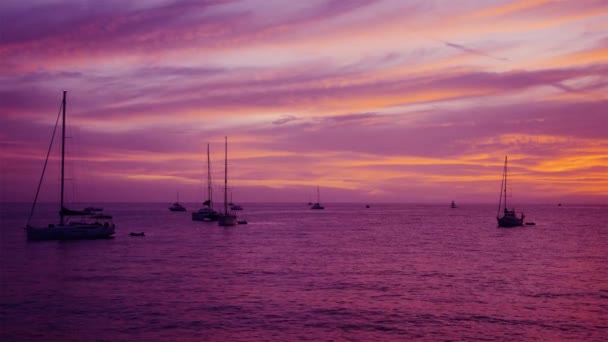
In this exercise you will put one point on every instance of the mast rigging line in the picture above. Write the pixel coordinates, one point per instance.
(48, 153)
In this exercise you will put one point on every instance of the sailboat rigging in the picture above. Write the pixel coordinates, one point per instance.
(207, 213)
(226, 218)
(509, 218)
(317, 205)
(177, 206)
(91, 224)
(234, 206)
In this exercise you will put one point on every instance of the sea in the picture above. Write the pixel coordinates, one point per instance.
(347, 273)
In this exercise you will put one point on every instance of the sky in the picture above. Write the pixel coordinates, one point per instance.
(371, 100)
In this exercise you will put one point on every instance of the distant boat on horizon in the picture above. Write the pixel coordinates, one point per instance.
(317, 205)
(90, 224)
(453, 205)
(226, 218)
(509, 218)
(207, 213)
(176, 206)
(232, 205)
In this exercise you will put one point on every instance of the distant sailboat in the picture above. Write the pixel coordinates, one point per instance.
(226, 218)
(234, 206)
(91, 223)
(509, 218)
(308, 201)
(453, 205)
(207, 213)
(177, 206)
(317, 205)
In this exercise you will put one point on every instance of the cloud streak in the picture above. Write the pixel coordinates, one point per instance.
(385, 100)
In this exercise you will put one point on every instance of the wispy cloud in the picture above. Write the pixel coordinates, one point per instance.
(473, 51)
(284, 119)
(370, 99)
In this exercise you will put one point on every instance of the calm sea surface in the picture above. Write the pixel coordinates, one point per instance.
(391, 272)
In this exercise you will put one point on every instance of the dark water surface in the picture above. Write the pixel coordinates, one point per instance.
(391, 272)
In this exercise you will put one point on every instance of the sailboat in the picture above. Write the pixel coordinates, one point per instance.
(207, 213)
(226, 218)
(453, 205)
(509, 218)
(177, 206)
(73, 224)
(232, 205)
(317, 205)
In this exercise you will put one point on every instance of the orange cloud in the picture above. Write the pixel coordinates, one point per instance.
(570, 163)
(588, 56)
(508, 8)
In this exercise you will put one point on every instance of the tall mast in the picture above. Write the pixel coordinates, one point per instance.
(226, 177)
(505, 182)
(63, 104)
(209, 195)
(318, 195)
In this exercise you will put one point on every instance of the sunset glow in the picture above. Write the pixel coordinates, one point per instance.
(373, 101)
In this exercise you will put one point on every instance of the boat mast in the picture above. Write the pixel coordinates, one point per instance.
(502, 188)
(209, 195)
(62, 157)
(505, 182)
(318, 195)
(226, 177)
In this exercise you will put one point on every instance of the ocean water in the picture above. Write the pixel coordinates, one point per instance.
(390, 272)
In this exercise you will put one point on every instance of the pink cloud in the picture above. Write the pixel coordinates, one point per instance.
(337, 93)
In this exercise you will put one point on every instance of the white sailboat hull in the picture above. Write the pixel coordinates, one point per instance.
(71, 231)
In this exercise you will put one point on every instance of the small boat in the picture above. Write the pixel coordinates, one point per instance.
(232, 205)
(317, 205)
(559, 205)
(241, 221)
(530, 224)
(73, 224)
(207, 213)
(367, 205)
(453, 205)
(509, 218)
(226, 218)
(137, 234)
(177, 206)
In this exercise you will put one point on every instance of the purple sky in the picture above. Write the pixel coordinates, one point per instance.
(374, 101)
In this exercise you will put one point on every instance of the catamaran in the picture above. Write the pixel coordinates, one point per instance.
(509, 218)
(90, 223)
